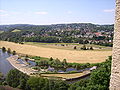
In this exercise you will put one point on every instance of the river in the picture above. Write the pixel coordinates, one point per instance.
(5, 66)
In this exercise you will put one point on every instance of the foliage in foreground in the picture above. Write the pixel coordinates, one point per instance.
(37, 83)
(16, 78)
(99, 80)
(20, 80)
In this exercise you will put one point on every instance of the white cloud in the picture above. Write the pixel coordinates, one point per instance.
(41, 13)
(69, 12)
(3, 15)
(109, 10)
(2, 11)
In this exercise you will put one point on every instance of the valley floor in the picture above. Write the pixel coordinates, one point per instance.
(78, 56)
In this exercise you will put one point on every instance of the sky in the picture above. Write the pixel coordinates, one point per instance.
(44, 12)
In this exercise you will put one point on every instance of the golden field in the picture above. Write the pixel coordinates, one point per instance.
(81, 56)
(66, 76)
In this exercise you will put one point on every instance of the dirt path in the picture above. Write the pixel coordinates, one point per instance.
(70, 55)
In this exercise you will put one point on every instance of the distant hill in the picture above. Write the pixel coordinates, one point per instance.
(73, 26)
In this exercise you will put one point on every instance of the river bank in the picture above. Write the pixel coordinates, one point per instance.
(25, 68)
(20, 66)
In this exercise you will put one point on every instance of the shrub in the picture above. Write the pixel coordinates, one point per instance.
(3, 49)
(9, 50)
(14, 53)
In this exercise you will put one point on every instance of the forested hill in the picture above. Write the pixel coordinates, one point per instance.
(74, 26)
(82, 33)
(22, 27)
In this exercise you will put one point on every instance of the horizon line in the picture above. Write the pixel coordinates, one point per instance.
(59, 23)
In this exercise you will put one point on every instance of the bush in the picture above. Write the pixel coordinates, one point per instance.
(3, 49)
(14, 53)
(83, 48)
(91, 48)
(9, 50)
(75, 47)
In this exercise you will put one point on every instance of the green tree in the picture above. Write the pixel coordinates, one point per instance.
(3, 49)
(65, 62)
(91, 48)
(57, 63)
(84, 47)
(75, 47)
(9, 50)
(86, 42)
(16, 78)
(51, 59)
(79, 85)
(1, 76)
(14, 52)
(61, 85)
(99, 78)
(37, 83)
(12, 78)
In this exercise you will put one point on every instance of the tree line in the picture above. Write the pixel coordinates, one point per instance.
(18, 38)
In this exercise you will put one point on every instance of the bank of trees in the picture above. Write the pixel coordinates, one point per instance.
(84, 47)
(16, 78)
(58, 64)
(22, 81)
(9, 51)
(46, 39)
(99, 78)
(37, 83)
(104, 44)
(53, 39)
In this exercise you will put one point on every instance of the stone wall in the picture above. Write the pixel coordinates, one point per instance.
(115, 73)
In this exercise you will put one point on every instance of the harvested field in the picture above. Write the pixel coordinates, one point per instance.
(71, 55)
(66, 76)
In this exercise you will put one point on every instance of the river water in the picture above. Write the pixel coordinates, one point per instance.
(5, 66)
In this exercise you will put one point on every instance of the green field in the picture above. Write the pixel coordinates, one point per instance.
(16, 30)
(69, 46)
